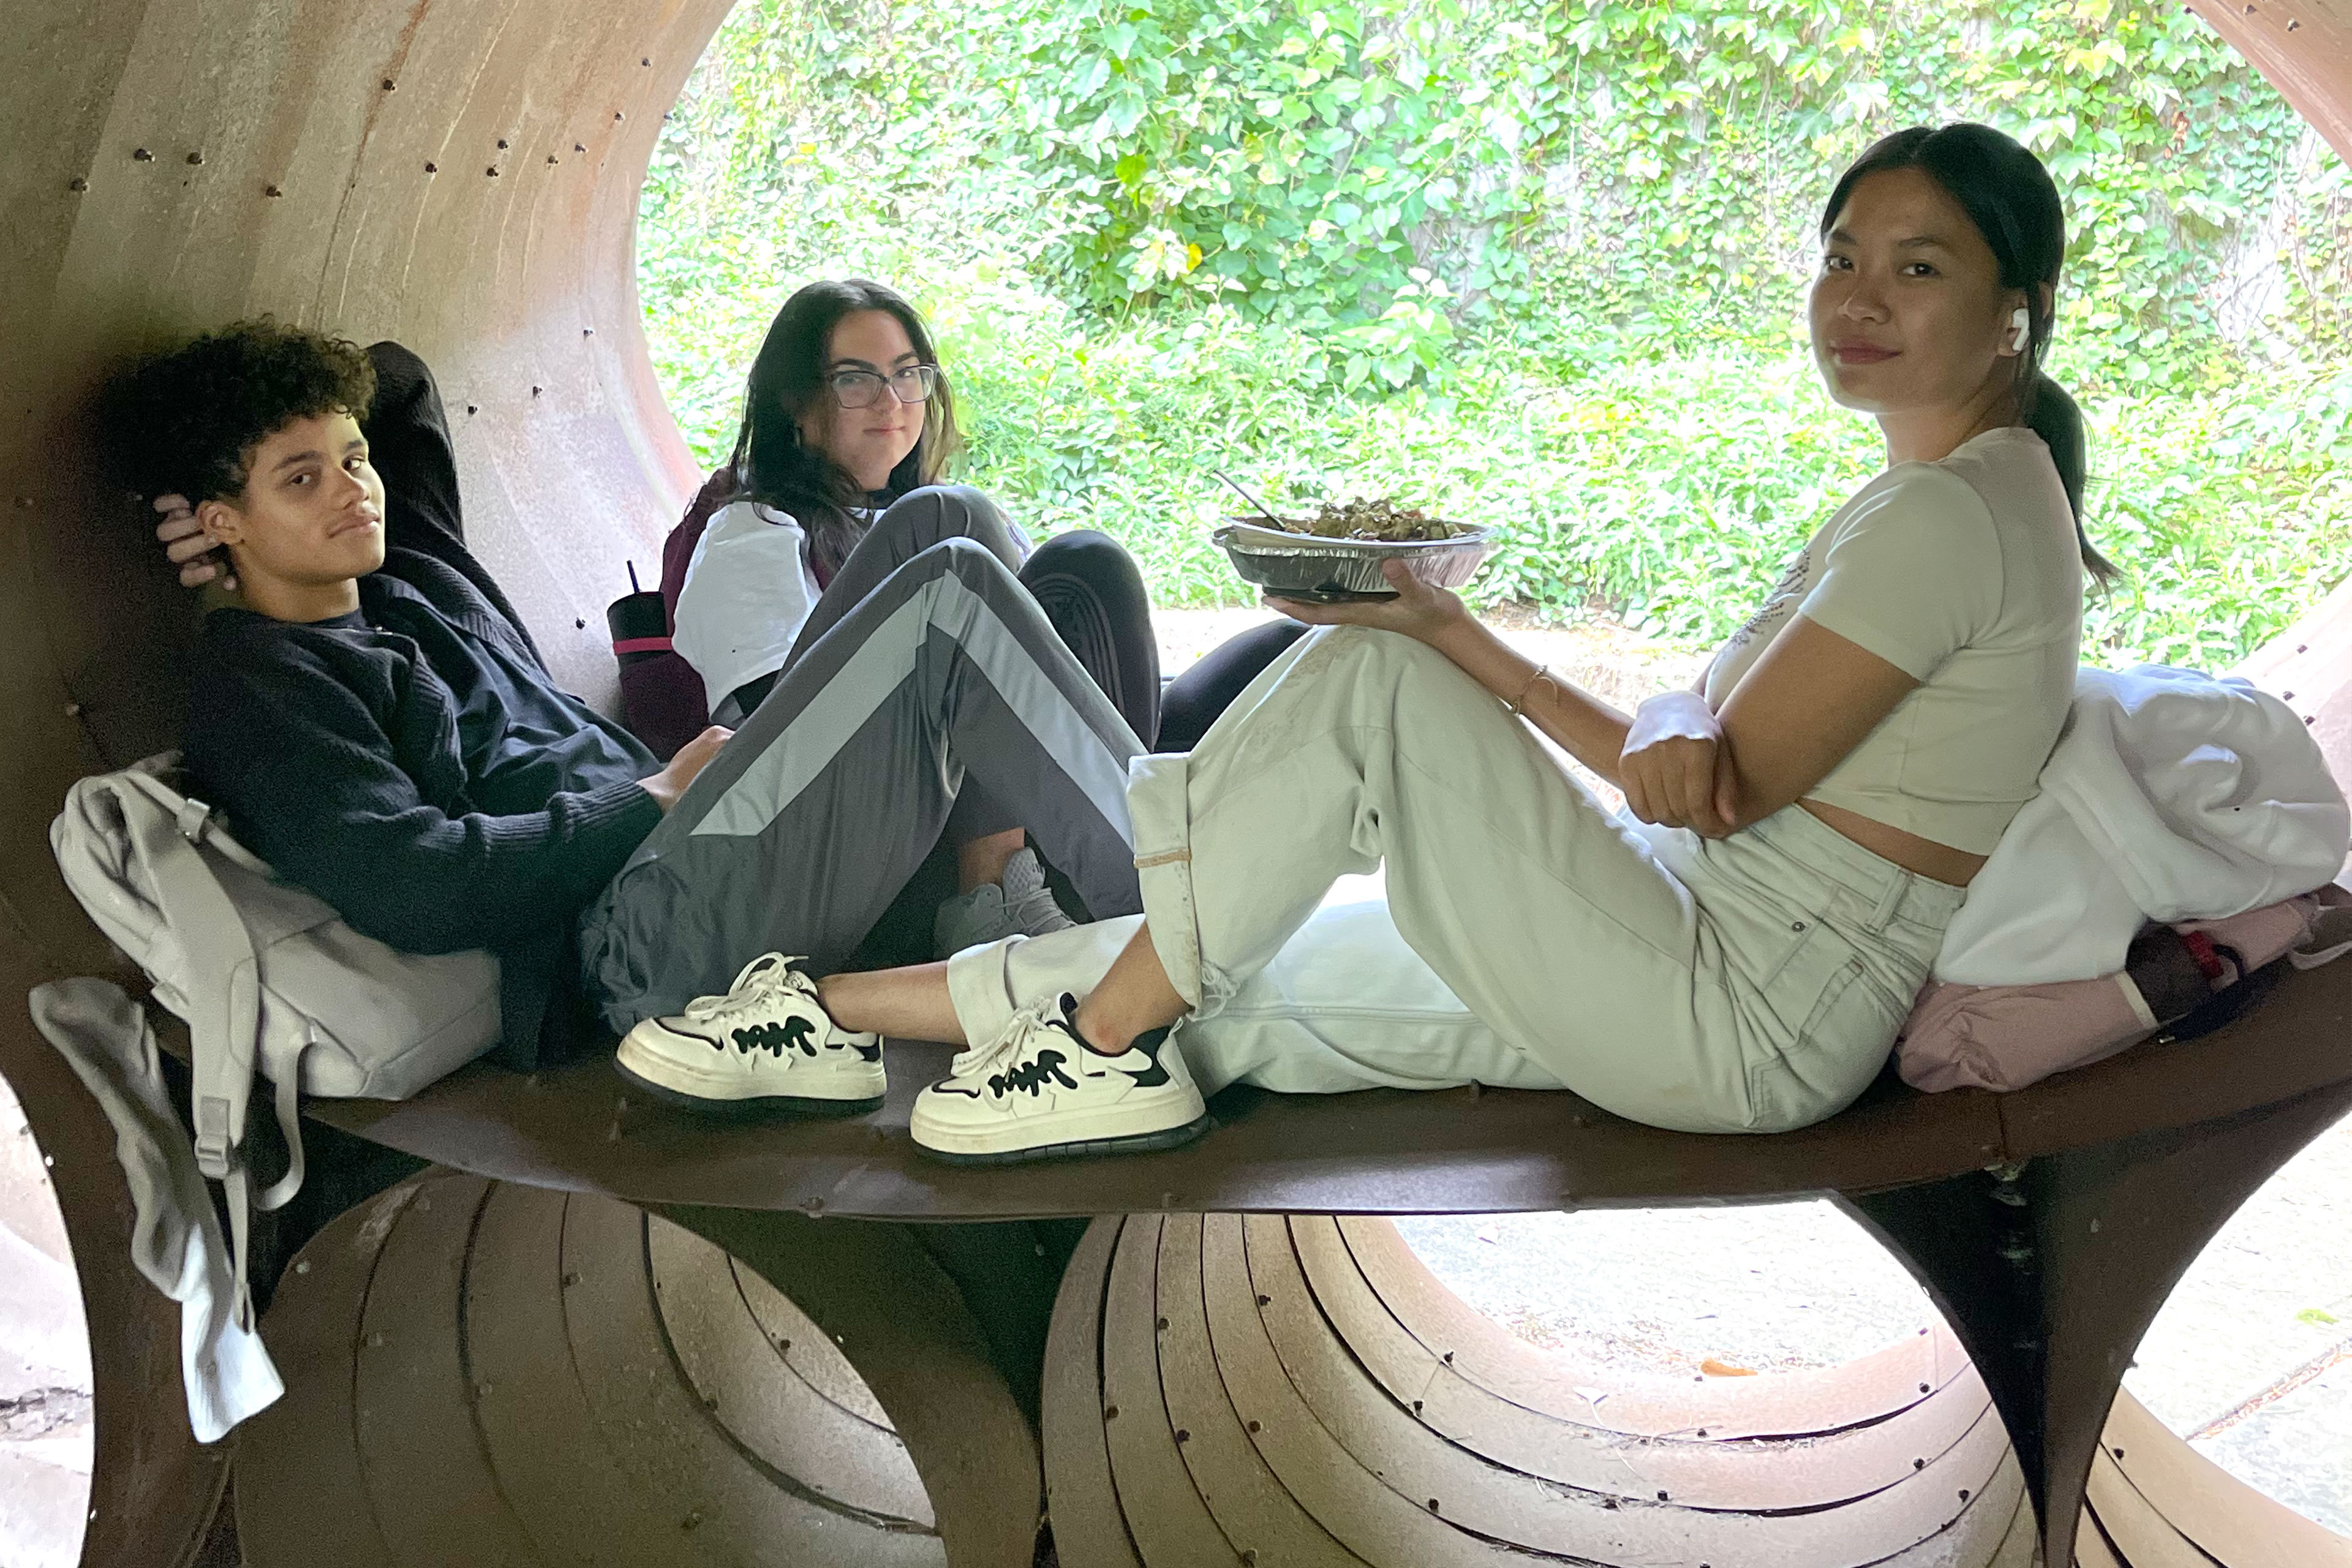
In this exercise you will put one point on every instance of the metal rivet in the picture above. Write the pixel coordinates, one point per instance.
(2119, 1452)
(73, 710)
(1183, 1435)
(473, 408)
(302, 1266)
(1918, 1464)
(1254, 1426)
(77, 184)
(271, 191)
(1702, 1431)
(618, 117)
(1923, 1388)
(537, 390)
(648, 60)
(587, 332)
(580, 626)
(1964, 1494)
(483, 1390)
(492, 171)
(389, 84)
(432, 168)
(1433, 1505)
(375, 1342)
(579, 147)
(504, 143)
(1266, 1300)
(141, 156)
(2292, 24)
(1110, 1412)
(550, 157)
(571, 1278)
(1161, 1325)
(195, 157)
(1796, 925)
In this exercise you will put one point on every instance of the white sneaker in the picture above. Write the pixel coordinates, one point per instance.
(1037, 1090)
(1017, 904)
(767, 1041)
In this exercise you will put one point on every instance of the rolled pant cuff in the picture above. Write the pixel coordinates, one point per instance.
(1159, 810)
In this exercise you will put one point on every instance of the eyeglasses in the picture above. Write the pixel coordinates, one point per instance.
(863, 388)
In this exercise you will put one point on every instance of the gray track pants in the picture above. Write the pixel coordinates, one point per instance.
(797, 836)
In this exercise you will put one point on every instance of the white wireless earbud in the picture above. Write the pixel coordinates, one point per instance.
(2020, 328)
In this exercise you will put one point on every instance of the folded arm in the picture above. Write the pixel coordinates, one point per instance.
(1805, 703)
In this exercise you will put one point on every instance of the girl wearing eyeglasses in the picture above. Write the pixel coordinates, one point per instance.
(833, 484)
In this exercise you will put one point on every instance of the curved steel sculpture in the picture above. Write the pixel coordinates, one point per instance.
(465, 177)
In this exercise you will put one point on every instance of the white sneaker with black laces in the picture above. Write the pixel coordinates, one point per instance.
(1038, 1091)
(768, 1042)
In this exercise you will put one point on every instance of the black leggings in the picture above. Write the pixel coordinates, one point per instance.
(1194, 699)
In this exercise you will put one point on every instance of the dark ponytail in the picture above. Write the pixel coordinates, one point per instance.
(773, 466)
(2010, 197)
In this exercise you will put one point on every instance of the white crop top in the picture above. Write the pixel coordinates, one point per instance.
(1964, 574)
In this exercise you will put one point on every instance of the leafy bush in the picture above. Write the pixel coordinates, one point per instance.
(1533, 264)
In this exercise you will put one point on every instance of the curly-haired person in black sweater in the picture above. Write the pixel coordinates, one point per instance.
(375, 720)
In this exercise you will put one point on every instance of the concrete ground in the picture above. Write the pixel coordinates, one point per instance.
(46, 1432)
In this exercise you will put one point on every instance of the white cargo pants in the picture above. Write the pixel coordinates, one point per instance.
(1750, 984)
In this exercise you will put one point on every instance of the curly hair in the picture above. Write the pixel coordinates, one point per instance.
(188, 419)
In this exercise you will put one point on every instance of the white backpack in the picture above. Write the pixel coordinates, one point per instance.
(266, 975)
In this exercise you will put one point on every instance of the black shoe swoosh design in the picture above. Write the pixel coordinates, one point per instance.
(1032, 1076)
(791, 1034)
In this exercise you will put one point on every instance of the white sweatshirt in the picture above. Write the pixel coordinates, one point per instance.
(2172, 795)
(747, 592)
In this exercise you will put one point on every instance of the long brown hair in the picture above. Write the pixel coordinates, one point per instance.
(773, 466)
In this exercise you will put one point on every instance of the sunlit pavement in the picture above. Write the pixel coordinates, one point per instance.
(46, 1431)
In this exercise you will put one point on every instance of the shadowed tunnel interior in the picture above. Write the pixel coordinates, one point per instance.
(463, 177)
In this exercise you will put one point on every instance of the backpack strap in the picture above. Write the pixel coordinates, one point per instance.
(221, 993)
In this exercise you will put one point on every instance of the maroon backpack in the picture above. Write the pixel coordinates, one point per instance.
(662, 699)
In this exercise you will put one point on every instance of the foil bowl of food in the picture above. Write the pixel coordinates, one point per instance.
(1336, 555)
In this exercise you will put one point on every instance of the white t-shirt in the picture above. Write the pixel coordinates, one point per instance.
(747, 592)
(1966, 575)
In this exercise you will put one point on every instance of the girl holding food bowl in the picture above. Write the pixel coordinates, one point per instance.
(1735, 950)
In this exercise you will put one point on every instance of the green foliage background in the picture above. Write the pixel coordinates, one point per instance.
(1539, 265)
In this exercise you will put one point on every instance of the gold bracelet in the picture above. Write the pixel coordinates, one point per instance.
(1518, 705)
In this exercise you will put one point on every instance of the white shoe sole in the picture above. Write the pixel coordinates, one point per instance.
(858, 1087)
(1104, 1131)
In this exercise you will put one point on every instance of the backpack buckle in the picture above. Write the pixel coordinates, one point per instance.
(213, 1143)
(191, 818)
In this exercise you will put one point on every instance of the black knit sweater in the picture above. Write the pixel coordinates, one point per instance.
(415, 766)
